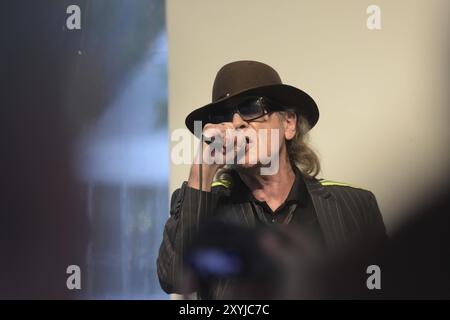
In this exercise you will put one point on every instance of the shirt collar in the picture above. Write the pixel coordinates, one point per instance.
(298, 192)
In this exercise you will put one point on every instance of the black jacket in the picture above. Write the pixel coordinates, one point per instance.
(346, 214)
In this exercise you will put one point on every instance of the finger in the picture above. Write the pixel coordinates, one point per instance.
(211, 133)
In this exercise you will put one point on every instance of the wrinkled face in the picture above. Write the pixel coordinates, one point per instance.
(259, 141)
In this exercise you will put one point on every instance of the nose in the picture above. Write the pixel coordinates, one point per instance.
(238, 122)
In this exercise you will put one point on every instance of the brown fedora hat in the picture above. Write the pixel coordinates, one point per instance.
(240, 79)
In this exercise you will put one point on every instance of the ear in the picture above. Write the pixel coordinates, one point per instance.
(290, 125)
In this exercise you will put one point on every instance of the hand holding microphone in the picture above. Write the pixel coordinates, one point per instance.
(213, 136)
(220, 138)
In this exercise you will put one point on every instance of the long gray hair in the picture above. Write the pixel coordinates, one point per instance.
(299, 151)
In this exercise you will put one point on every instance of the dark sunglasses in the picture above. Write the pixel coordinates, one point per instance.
(250, 109)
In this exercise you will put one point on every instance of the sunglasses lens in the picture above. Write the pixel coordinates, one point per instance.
(251, 109)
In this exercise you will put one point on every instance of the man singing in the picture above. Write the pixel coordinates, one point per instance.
(249, 98)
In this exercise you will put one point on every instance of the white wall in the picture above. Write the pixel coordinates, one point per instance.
(382, 94)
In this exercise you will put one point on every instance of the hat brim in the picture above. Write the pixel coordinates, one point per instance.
(287, 95)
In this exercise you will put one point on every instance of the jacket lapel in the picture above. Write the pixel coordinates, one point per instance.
(328, 213)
